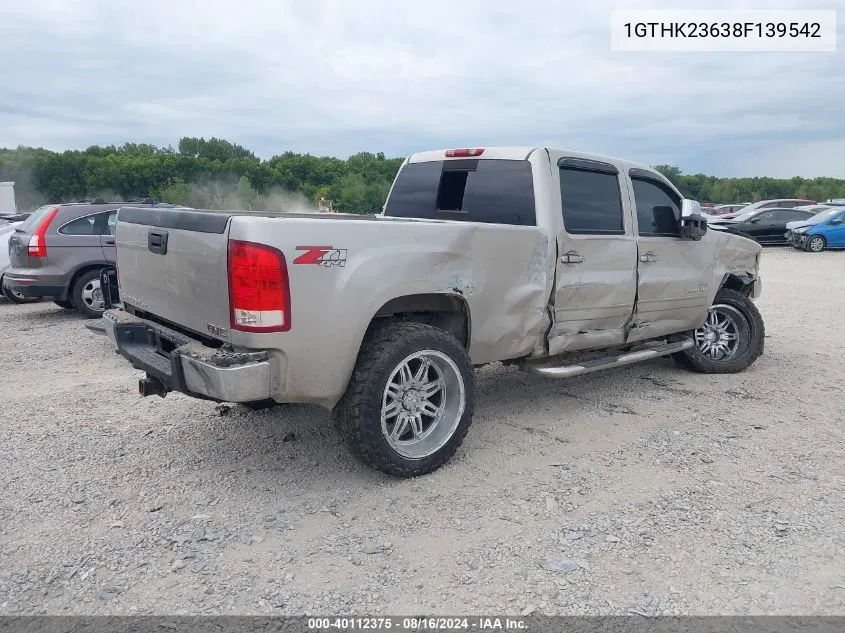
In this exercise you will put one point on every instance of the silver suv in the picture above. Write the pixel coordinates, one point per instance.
(59, 250)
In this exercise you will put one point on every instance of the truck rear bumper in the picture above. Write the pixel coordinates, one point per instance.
(179, 363)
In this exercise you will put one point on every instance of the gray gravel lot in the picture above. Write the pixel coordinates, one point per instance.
(642, 490)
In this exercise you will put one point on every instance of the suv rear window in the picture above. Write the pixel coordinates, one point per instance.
(490, 191)
(32, 221)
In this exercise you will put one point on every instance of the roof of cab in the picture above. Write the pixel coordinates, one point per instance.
(520, 153)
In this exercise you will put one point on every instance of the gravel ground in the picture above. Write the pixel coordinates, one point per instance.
(645, 490)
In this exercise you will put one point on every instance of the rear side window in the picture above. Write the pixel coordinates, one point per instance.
(80, 226)
(97, 224)
(592, 202)
(489, 191)
(658, 208)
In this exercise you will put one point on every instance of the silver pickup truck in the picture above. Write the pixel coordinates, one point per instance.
(561, 262)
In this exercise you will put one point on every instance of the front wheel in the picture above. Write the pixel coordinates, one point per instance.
(816, 244)
(410, 401)
(731, 338)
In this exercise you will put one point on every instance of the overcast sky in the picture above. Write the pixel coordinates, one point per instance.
(335, 77)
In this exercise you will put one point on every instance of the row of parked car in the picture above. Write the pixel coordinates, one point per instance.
(79, 238)
(812, 227)
(57, 252)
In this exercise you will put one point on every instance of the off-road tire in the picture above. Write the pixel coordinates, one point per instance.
(818, 238)
(694, 360)
(76, 295)
(67, 305)
(358, 415)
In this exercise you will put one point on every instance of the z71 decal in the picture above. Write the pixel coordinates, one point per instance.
(321, 256)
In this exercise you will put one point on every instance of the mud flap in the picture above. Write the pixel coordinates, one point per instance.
(109, 288)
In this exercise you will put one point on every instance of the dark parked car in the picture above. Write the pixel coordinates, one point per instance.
(781, 203)
(58, 252)
(767, 226)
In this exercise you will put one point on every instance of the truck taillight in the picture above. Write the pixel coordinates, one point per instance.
(464, 152)
(37, 246)
(259, 291)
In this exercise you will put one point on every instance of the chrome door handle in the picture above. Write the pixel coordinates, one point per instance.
(648, 257)
(571, 258)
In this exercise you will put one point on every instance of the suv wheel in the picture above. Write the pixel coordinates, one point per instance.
(87, 296)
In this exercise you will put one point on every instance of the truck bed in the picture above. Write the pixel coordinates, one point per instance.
(342, 270)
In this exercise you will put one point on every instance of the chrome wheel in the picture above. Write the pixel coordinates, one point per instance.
(92, 296)
(723, 333)
(816, 244)
(422, 404)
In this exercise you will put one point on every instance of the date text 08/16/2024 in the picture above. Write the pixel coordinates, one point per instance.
(417, 624)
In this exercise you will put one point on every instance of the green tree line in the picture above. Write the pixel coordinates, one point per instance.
(215, 173)
(737, 190)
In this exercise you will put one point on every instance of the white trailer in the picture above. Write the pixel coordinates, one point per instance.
(7, 198)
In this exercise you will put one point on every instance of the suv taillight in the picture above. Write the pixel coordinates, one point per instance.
(259, 292)
(37, 247)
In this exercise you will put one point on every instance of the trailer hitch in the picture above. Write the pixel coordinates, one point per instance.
(152, 386)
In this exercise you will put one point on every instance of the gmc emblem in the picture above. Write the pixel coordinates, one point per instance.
(216, 330)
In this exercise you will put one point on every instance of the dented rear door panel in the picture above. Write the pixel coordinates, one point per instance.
(595, 285)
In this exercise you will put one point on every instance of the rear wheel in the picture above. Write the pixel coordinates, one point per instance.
(17, 297)
(87, 296)
(816, 244)
(731, 338)
(67, 305)
(410, 401)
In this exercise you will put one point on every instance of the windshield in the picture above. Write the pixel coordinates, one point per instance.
(821, 215)
(746, 215)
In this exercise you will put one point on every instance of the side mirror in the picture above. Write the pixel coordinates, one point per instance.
(693, 225)
(836, 220)
(690, 207)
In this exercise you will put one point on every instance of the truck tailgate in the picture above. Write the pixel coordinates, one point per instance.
(172, 263)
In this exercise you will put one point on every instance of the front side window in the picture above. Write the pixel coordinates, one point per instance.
(592, 202)
(658, 208)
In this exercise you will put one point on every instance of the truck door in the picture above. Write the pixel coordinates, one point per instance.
(674, 275)
(595, 282)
